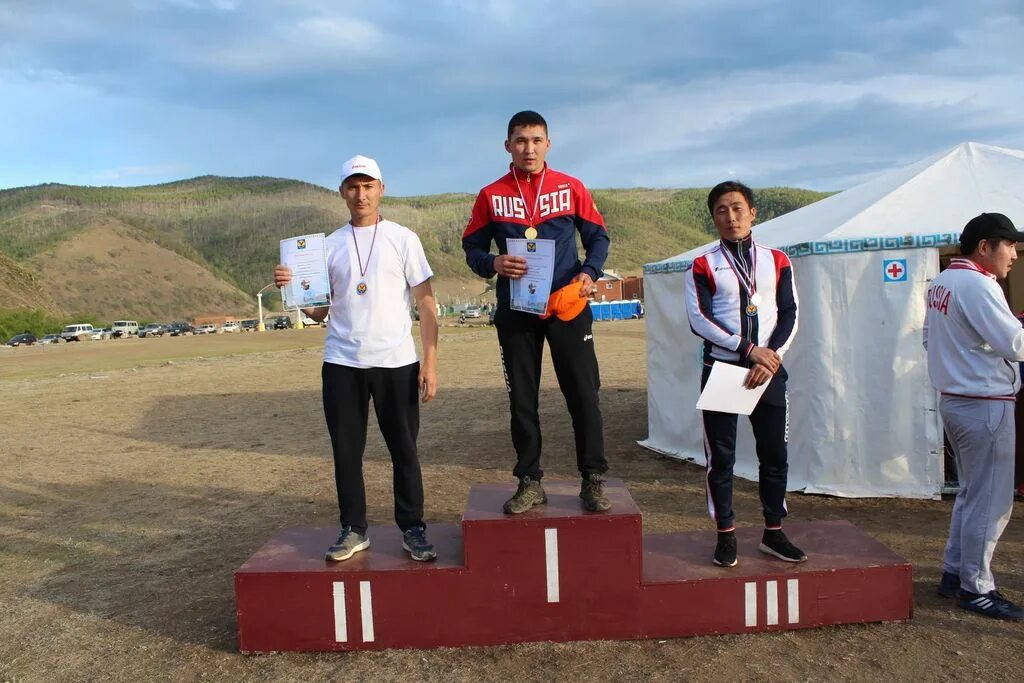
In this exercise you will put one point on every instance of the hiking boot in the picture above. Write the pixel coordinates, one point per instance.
(725, 550)
(529, 493)
(991, 604)
(348, 544)
(949, 585)
(415, 541)
(774, 542)
(592, 493)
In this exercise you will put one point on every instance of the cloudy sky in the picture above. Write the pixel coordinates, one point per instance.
(640, 93)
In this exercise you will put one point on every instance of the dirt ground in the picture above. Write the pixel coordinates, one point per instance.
(136, 475)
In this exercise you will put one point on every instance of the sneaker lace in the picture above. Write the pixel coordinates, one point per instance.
(416, 536)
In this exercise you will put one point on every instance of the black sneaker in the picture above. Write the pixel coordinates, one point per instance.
(592, 493)
(774, 542)
(529, 493)
(725, 549)
(348, 544)
(990, 604)
(949, 585)
(415, 541)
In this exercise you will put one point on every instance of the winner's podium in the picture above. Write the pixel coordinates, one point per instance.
(556, 573)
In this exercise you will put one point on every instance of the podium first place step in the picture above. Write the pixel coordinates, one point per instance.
(557, 573)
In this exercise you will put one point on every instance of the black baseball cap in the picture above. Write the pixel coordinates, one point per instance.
(988, 226)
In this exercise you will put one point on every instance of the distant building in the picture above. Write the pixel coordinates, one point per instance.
(213, 319)
(609, 287)
(633, 287)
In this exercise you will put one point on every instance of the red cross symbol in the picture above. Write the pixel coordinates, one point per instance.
(895, 270)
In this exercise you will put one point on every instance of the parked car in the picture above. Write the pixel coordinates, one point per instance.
(180, 329)
(153, 330)
(249, 325)
(471, 311)
(101, 333)
(282, 322)
(26, 339)
(230, 326)
(124, 328)
(53, 338)
(205, 328)
(77, 332)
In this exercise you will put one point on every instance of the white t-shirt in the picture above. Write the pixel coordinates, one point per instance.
(373, 329)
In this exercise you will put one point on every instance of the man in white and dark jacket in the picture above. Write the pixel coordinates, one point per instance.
(741, 300)
(974, 343)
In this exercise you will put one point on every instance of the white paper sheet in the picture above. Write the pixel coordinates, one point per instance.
(306, 255)
(530, 293)
(725, 393)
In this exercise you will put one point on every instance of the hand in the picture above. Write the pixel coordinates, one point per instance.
(587, 286)
(760, 355)
(282, 276)
(512, 267)
(427, 383)
(757, 376)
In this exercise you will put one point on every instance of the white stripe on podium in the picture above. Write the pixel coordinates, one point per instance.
(366, 610)
(340, 617)
(772, 596)
(793, 600)
(551, 562)
(750, 618)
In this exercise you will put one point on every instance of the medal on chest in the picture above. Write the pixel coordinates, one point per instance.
(746, 275)
(531, 232)
(361, 288)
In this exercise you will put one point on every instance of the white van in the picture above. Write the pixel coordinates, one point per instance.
(80, 332)
(125, 328)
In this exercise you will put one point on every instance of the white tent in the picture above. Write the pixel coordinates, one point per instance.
(863, 415)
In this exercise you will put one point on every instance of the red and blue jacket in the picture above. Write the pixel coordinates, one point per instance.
(563, 208)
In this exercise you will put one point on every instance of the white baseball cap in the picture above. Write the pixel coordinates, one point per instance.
(361, 165)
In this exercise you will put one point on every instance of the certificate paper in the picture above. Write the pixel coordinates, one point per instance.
(306, 255)
(725, 393)
(530, 292)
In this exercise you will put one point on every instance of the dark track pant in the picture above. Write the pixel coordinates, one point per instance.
(521, 338)
(347, 392)
(769, 422)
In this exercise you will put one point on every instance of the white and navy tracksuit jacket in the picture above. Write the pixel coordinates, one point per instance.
(717, 307)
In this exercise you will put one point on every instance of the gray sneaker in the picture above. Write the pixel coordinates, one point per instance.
(348, 544)
(415, 542)
(592, 493)
(529, 493)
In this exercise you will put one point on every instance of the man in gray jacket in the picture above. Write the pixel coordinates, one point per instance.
(973, 343)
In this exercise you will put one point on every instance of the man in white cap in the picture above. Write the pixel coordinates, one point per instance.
(374, 264)
(974, 343)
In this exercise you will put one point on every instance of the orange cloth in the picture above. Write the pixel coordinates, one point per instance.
(566, 303)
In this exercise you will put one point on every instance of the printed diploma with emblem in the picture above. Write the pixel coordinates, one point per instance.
(530, 292)
(306, 255)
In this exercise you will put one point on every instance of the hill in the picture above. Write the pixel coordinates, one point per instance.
(210, 243)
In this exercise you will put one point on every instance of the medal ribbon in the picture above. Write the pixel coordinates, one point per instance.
(746, 279)
(536, 198)
(362, 270)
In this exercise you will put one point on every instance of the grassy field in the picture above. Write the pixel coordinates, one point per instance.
(137, 475)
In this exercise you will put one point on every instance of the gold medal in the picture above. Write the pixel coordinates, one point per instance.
(531, 233)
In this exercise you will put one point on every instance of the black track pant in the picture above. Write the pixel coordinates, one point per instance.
(769, 422)
(395, 393)
(521, 337)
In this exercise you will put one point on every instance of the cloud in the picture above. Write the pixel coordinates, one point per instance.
(645, 93)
